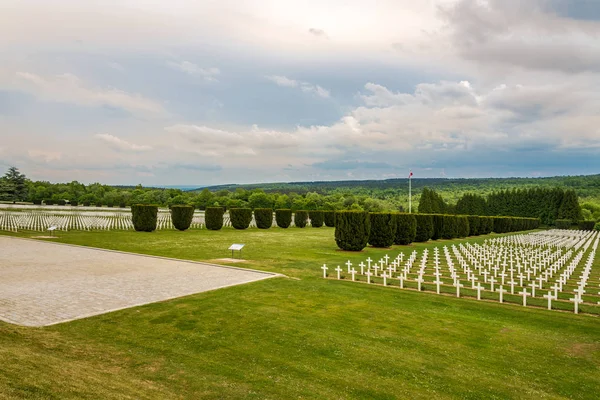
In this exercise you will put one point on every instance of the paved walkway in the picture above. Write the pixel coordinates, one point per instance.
(43, 283)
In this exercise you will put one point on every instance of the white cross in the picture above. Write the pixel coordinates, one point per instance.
(458, 286)
(576, 301)
(479, 287)
(384, 275)
(362, 268)
(387, 258)
(348, 264)
(401, 278)
(524, 294)
(533, 285)
(555, 287)
(492, 281)
(369, 261)
(381, 262)
(550, 298)
(501, 292)
(503, 275)
(324, 268)
(512, 286)
(353, 272)
(437, 284)
(339, 270)
(419, 281)
(368, 274)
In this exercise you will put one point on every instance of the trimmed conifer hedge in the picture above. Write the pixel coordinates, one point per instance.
(329, 218)
(86, 203)
(144, 217)
(462, 227)
(487, 225)
(182, 216)
(563, 223)
(586, 225)
(406, 229)
(37, 202)
(240, 217)
(122, 205)
(263, 217)
(383, 229)
(438, 226)
(474, 224)
(74, 203)
(449, 228)
(213, 218)
(352, 230)
(316, 218)
(424, 227)
(301, 218)
(61, 202)
(283, 217)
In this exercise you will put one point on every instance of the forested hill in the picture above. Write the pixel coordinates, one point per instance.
(586, 186)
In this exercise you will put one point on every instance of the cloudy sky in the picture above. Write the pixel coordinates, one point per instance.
(231, 91)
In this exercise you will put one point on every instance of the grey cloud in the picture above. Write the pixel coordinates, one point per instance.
(351, 164)
(317, 32)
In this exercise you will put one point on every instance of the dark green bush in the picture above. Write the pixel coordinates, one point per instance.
(329, 217)
(110, 204)
(283, 217)
(587, 225)
(474, 225)
(301, 218)
(182, 216)
(424, 227)
(61, 202)
(406, 229)
(263, 217)
(240, 217)
(486, 226)
(449, 227)
(86, 203)
(462, 228)
(37, 202)
(122, 205)
(383, 229)
(144, 217)
(74, 203)
(352, 230)
(563, 223)
(438, 226)
(317, 218)
(213, 218)
(98, 204)
(502, 224)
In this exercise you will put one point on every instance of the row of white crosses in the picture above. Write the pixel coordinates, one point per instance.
(538, 265)
(80, 220)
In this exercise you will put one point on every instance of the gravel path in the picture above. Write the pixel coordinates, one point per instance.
(43, 283)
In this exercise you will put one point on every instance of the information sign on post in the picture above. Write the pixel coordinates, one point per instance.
(236, 247)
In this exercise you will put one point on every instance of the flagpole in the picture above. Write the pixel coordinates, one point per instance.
(410, 193)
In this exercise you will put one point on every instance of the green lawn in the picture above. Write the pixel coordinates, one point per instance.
(299, 338)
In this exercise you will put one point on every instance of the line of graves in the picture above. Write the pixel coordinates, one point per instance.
(551, 269)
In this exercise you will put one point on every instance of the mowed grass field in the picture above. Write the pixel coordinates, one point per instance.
(301, 337)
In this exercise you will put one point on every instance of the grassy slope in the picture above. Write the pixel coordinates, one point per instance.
(299, 338)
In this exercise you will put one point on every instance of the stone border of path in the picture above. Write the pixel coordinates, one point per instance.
(266, 275)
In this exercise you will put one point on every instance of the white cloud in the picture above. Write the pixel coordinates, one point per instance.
(121, 144)
(208, 74)
(44, 155)
(306, 87)
(68, 88)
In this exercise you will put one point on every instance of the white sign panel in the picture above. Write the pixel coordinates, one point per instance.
(236, 247)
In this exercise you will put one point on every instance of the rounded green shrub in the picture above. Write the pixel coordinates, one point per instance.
(438, 226)
(474, 225)
(563, 223)
(301, 218)
(462, 226)
(317, 218)
(352, 230)
(283, 217)
(213, 218)
(406, 229)
(383, 229)
(486, 226)
(61, 202)
(240, 217)
(37, 202)
(122, 205)
(597, 226)
(586, 225)
(449, 227)
(182, 216)
(49, 202)
(263, 217)
(74, 203)
(329, 218)
(144, 217)
(86, 203)
(424, 227)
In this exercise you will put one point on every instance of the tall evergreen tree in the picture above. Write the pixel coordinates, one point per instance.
(569, 207)
(14, 186)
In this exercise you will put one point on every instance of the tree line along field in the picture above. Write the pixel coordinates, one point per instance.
(372, 196)
(300, 336)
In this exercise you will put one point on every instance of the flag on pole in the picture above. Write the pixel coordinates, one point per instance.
(410, 175)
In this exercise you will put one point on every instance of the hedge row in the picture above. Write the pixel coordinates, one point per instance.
(385, 229)
(182, 216)
(144, 217)
(241, 218)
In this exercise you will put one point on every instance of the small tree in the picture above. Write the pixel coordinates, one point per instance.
(144, 217)
(240, 217)
(424, 227)
(462, 227)
(329, 218)
(406, 229)
(182, 216)
(263, 217)
(213, 218)
(383, 229)
(283, 217)
(301, 218)
(13, 186)
(352, 230)
(316, 218)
